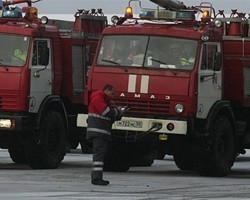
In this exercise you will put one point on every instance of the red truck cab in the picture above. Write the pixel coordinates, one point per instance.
(155, 64)
(43, 69)
(184, 73)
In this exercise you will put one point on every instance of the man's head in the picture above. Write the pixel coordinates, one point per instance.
(188, 49)
(109, 90)
(175, 51)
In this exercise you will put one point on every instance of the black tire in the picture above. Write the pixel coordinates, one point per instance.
(160, 155)
(117, 158)
(185, 161)
(73, 144)
(185, 153)
(144, 160)
(18, 155)
(51, 150)
(74, 138)
(219, 158)
(19, 148)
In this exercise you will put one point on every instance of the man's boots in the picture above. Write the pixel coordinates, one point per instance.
(97, 172)
(99, 182)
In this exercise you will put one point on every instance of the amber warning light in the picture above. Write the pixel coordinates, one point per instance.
(30, 12)
(129, 12)
(205, 16)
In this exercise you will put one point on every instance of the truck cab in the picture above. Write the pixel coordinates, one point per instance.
(173, 67)
(43, 69)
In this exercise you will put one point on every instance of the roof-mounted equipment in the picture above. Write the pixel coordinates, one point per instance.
(170, 4)
(10, 10)
(129, 12)
(171, 11)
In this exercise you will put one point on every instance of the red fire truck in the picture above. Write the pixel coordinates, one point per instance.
(185, 73)
(43, 75)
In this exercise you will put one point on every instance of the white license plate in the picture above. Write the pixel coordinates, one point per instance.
(134, 124)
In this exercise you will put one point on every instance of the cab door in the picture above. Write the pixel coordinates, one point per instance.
(41, 77)
(209, 79)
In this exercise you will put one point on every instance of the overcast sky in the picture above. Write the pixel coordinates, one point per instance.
(118, 6)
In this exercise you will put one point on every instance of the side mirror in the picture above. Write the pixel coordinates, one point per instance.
(217, 61)
(44, 59)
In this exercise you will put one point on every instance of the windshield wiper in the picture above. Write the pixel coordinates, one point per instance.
(159, 61)
(163, 63)
(111, 61)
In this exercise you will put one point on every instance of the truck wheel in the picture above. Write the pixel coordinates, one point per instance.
(52, 147)
(74, 144)
(74, 138)
(19, 148)
(218, 159)
(18, 155)
(160, 155)
(185, 161)
(139, 159)
(185, 153)
(117, 158)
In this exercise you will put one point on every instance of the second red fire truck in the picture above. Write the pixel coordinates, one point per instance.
(185, 73)
(43, 76)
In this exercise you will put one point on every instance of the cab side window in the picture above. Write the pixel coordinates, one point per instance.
(38, 47)
(208, 55)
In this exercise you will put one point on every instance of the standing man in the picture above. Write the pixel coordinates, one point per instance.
(100, 119)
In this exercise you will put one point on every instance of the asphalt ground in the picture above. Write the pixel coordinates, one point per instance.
(163, 180)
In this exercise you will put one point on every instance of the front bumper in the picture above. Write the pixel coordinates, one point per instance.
(16, 122)
(143, 125)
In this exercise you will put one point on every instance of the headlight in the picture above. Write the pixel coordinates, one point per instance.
(114, 19)
(44, 20)
(179, 108)
(5, 123)
(218, 23)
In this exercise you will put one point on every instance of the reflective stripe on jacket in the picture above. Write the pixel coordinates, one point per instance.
(185, 61)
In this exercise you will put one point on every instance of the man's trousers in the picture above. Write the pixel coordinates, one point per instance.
(100, 147)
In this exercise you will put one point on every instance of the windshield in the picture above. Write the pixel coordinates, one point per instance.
(147, 51)
(13, 50)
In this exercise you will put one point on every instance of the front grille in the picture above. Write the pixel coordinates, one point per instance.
(9, 100)
(8, 103)
(148, 107)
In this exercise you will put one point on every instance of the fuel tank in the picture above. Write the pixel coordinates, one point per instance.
(170, 4)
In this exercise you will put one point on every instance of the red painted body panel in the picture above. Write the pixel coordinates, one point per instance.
(156, 29)
(158, 83)
(236, 86)
(14, 89)
(57, 65)
(67, 82)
